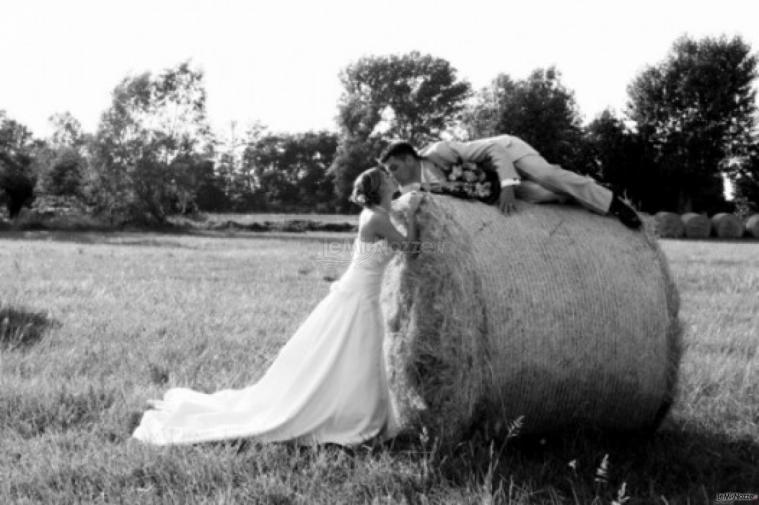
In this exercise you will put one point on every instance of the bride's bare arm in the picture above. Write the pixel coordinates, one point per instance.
(382, 227)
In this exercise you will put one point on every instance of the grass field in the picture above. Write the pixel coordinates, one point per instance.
(94, 324)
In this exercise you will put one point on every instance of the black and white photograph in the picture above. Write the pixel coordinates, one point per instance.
(403, 252)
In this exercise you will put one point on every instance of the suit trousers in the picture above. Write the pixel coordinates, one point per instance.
(584, 190)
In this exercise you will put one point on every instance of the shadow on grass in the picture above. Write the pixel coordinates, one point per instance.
(678, 463)
(681, 464)
(746, 239)
(20, 328)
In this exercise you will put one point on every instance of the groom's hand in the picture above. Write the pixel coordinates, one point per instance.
(507, 200)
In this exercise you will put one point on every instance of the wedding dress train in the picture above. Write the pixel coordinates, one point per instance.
(327, 384)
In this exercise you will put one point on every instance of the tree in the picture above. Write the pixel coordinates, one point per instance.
(695, 111)
(621, 160)
(61, 163)
(236, 172)
(15, 138)
(209, 194)
(147, 144)
(65, 173)
(67, 131)
(353, 156)
(291, 169)
(413, 96)
(746, 181)
(17, 179)
(539, 109)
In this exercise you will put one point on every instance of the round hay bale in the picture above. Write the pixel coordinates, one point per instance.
(697, 225)
(727, 225)
(752, 226)
(669, 225)
(553, 313)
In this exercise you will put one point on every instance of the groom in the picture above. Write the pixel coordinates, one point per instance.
(516, 163)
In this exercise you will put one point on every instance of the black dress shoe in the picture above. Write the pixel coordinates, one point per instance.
(624, 213)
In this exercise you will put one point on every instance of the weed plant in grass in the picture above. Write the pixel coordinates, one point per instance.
(20, 328)
(128, 315)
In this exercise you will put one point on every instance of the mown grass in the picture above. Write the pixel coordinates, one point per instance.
(94, 324)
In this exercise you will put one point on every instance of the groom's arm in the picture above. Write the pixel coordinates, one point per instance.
(486, 153)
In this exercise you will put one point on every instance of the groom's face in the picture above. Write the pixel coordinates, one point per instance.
(401, 168)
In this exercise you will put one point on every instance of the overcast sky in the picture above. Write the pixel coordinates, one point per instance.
(277, 61)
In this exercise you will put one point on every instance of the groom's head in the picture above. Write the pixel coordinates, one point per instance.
(402, 161)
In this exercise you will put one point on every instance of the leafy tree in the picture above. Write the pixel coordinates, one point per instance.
(17, 179)
(155, 124)
(695, 111)
(621, 160)
(209, 195)
(412, 96)
(236, 172)
(61, 163)
(65, 174)
(15, 138)
(539, 109)
(745, 175)
(291, 169)
(67, 131)
(354, 155)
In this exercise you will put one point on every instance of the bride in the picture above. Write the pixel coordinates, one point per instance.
(328, 381)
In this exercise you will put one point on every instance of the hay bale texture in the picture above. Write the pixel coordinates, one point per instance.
(697, 225)
(554, 313)
(752, 226)
(669, 225)
(727, 225)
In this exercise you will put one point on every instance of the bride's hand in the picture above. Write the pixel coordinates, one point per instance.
(414, 201)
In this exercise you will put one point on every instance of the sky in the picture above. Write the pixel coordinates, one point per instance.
(277, 61)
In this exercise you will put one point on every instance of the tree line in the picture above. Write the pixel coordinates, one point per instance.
(689, 125)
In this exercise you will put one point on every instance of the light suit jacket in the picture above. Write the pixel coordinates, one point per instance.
(493, 153)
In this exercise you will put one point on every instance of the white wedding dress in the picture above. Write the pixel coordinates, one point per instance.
(327, 384)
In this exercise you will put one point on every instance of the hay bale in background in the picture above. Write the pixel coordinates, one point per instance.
(554, 313)
(697, 225)
(727, 225)
(669, 225)
(649, 221)
(752, 226)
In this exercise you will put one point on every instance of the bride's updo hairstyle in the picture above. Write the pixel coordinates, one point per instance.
(367, 187)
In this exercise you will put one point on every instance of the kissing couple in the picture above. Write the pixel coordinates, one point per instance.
(328, 383)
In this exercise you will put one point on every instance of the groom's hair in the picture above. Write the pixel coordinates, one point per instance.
(398, 148)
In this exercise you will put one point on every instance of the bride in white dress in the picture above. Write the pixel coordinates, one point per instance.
(328, 381)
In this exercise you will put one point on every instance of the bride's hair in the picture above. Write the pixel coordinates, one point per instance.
(367, 186)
